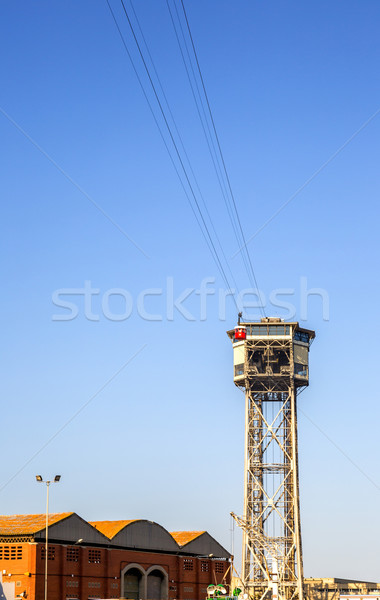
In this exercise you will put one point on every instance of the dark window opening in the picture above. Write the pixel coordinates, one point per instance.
(300, 370)
(188, 564)
(301, 336)
(72, 554)
(239, 370)
(51, 553)
(94, 556)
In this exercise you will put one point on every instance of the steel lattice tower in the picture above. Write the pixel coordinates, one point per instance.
(271, 365)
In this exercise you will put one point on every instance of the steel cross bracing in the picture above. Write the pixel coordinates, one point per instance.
(272, 553)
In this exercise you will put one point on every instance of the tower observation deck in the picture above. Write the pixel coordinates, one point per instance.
(271, 365)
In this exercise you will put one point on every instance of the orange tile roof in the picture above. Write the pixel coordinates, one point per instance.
(185, 537)
(28, 524)
(111, 528)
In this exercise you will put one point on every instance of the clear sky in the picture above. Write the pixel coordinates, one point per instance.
(289, 84)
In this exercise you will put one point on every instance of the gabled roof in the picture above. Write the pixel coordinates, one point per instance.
(200, 543)
(185, 537)
(110, 528)
(28, 524)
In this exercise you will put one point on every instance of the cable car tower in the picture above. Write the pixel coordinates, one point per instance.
(271, 365)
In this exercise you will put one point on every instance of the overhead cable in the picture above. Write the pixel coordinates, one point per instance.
(251, 271)
(205, 229)
(181, 143)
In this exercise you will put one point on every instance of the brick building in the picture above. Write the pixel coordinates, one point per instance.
(134, 559)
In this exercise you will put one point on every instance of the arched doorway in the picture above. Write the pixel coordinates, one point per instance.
(157, 584)
(133, 587)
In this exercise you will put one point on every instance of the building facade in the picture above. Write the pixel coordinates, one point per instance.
(333, 588)
(138, 560)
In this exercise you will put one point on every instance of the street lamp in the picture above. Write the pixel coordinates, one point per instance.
(55, 480)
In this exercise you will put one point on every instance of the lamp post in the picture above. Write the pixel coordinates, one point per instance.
(55, 480)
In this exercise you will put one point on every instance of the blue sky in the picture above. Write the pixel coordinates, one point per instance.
(289, 84)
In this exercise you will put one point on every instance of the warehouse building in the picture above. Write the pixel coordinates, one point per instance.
(134, 559)
(334, 588)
